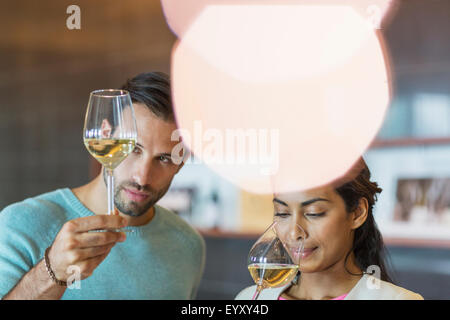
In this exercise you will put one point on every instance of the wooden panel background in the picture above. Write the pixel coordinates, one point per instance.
(47, 72)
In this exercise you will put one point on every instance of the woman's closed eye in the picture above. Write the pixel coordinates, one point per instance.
(282, 214)
(315, 215)
(311, 215)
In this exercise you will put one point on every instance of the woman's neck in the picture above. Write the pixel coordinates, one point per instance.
(326, 284)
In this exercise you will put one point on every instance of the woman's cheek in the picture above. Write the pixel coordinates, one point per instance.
(337, 240)
(326, 235)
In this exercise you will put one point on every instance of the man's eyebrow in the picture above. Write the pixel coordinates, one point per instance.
(169, 155)
(303, 204)
(139, 145)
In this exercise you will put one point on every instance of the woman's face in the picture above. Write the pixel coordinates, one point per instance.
(326, 227)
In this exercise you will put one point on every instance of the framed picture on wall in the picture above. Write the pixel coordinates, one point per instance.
(423, 201)
(421, 210)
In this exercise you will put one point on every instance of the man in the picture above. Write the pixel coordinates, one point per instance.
(162, 258)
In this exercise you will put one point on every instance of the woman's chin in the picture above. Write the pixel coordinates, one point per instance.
(309, 266)
(306, 268)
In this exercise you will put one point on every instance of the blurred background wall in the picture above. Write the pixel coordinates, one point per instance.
(47, 72)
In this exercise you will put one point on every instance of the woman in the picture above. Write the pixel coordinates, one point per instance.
(342, 244)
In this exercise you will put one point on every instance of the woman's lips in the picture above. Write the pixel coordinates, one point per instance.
(295, 253)
(307, 252)
(135, 196)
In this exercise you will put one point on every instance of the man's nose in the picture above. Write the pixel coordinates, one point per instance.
(141, 172)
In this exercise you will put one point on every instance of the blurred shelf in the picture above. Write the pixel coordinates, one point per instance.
(388, 241)
(407, 142)
(417, 243)
(218, 233)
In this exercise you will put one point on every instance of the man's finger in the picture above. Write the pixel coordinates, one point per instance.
(95, 239)
(97, 222)
(87, 253)
(89, 265)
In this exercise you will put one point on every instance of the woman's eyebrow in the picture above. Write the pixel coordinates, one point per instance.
(308, 202)
(303, 204)
(280, 202)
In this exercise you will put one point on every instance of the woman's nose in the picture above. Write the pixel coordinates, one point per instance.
(297, 232)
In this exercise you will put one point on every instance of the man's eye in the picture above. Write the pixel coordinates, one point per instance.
(136, 150)
(282, 214)
(164, 159)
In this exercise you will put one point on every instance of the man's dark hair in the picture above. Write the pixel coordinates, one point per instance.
(153, 90)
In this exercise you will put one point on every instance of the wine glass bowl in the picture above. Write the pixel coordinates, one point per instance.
(292, 237)
(272, 260)
(110, 132)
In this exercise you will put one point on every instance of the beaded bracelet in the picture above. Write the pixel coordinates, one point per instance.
(50, 271)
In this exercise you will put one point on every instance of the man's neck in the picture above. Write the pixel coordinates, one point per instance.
(94, 197)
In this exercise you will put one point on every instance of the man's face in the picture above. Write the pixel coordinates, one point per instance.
(145, 175)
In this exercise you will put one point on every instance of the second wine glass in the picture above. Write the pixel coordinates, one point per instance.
(110, 132)
(273, 260)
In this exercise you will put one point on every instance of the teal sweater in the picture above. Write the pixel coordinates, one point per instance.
(163, 259)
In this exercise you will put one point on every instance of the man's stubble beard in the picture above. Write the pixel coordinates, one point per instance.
(131, 208)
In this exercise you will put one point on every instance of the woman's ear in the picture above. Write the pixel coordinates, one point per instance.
(359, 215)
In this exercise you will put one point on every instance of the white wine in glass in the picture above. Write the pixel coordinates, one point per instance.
(272, 263)
(110, 152)
(110, 132)
(272, 274)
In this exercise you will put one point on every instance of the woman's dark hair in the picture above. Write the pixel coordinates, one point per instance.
(153, 90)
(368, 246)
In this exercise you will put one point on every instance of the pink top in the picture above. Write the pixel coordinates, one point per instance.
(337, 298)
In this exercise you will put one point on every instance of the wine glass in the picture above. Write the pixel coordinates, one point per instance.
(274, 258)
(110, 133)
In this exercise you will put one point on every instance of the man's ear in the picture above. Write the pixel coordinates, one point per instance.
(186, 155)
(180, 166)
(359, 215)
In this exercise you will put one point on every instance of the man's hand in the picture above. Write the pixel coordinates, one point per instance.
(75, 245)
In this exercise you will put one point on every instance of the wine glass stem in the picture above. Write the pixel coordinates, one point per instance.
(257, 292)
(110, 186)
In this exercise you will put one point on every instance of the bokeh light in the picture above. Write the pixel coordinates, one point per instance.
(277, 98)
